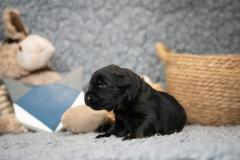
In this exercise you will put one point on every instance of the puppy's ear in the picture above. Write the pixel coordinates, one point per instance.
(123, 82)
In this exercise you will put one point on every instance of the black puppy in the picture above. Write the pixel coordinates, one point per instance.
(140, 111)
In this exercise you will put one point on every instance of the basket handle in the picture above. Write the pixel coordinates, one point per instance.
(163, 52)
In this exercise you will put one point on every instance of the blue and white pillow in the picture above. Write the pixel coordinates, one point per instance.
(41, 107)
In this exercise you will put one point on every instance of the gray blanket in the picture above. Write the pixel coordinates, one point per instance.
(194, 142)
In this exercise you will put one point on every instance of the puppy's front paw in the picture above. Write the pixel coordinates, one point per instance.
(103, 135)
(128, 137)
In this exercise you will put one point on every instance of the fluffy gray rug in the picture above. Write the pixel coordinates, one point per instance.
(194, 142)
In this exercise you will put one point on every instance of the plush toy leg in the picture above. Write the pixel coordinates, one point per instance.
(9, 124)
(146, 79)
(109, 117)
(5, 105)
(8, 121)
(158, 87)
(83, 119)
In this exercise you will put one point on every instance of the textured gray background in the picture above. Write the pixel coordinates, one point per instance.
(96, 33)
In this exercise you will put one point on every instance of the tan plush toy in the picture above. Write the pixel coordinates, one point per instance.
(25, 58)
(5, 105)
(156, 86)
(83, 119)
(10, 124)
(8, 120)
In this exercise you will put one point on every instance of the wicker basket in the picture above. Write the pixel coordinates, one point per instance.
(208, 86)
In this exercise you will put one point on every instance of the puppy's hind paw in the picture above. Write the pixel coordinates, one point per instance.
(103, 135)
(128, 138)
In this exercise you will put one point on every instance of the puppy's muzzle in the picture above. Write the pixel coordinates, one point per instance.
(91, 99)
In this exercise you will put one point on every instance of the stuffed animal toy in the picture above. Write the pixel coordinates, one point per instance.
(5, 104)
(156, 86)
(33, 53)
(25, 58)
(8, 120)
(10, 124)
(83, 119)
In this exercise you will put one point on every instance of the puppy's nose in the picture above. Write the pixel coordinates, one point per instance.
(91, 98)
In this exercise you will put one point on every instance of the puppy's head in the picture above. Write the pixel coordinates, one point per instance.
(112, 88)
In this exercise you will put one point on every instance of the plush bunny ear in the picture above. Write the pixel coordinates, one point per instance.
(123, 82)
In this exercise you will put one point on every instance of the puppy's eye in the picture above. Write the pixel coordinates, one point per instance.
(102, 85)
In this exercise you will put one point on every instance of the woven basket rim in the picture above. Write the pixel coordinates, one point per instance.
(164, 53)
(210, 54)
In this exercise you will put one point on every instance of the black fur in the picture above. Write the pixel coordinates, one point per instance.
(140, 111)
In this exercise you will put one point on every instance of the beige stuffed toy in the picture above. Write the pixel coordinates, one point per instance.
(10, 124)
(8, 120)
(5, 104)
(25, 58)
(156, 86)
(83, 119)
